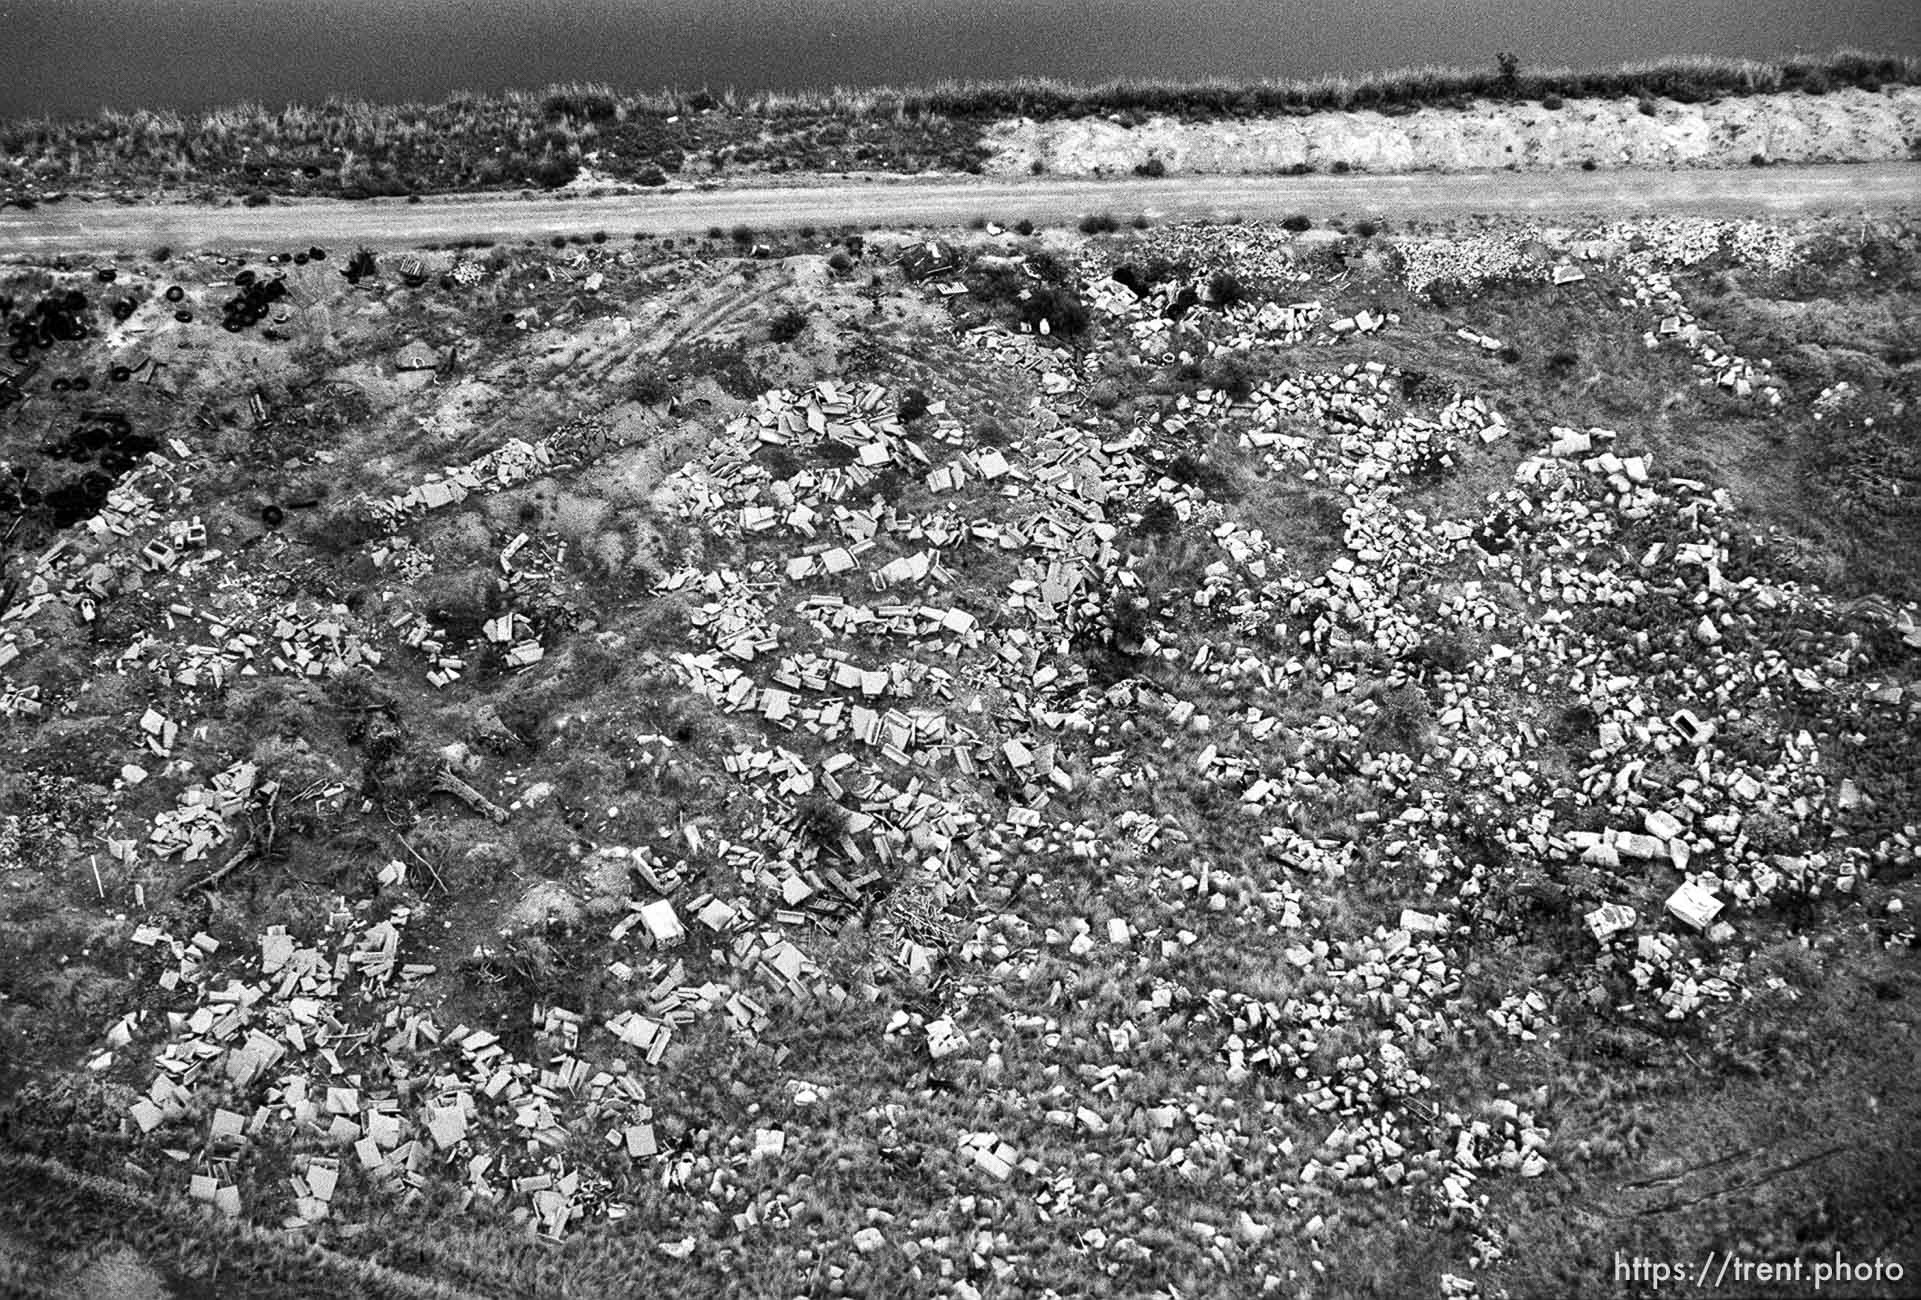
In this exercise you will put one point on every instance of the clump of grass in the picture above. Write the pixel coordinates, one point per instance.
(1296, 223)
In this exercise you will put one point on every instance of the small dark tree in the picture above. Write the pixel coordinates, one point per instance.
(1225, 289)
(1510, 66)
(820, 821)
(787, 326)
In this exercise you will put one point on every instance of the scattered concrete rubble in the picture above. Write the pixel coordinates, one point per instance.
(913, 744)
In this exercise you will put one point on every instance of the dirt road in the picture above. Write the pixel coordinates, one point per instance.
(73, 226)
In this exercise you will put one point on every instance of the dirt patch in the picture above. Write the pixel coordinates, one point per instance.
(1847, 126)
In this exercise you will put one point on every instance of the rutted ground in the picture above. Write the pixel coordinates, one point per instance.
(1846, 126)
(1278, 794)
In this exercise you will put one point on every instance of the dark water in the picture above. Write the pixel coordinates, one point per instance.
(65, 56)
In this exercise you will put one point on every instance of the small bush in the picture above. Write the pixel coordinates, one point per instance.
(1232, 374)
(1646, 108)
(1225, 289)
(1203, 473)
(742, 234)
(1140, 221)
(558, 241)
(840, 262)
(1036, 167)
(787, 326)
(1562, 361)
(257, 198)
(1341, 167)
(913, 405)
(651, 176)
(600, 236)
(1099, 223)
(977, 222)
(1757, 160)
(651, 387)
(1153, 168)
(1064, 312)
(1509, 353)
(821, 821)
(1366, 229)
(1296, 223)
(1023, 227)
(1587, 164)
(1553, 103)
(716, 233)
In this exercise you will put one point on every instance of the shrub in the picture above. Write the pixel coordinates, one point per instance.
(977, 222)
(840, 262)
(1023, 227)
(651, 176)
(1446, 651)
(554, 173)
(715, 232)
(742, 234)
(1509, 66)
(1400, 723)
(1757, 160)
(1646, 107)
(787, 326)
(1062, 309)
(559, 241)
(820, 821)
(1561, 362)
(1552, 103)
(913, 405)
(1587, 164)
(1036, 167)
(258, 198)
(1341, 167)
(1225, 289)
(1296, 223)
(1101, 223)
(651, 387)
(1205, 474)
(1509, 353)
(1153, 167)
(1232, 374)
(1366, 229)
(600, 236)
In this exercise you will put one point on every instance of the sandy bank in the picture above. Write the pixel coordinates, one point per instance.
(1846, 126)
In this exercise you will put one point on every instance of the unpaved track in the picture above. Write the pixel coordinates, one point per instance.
(76, 227)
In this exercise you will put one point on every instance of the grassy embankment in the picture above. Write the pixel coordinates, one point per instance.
(543, 139)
